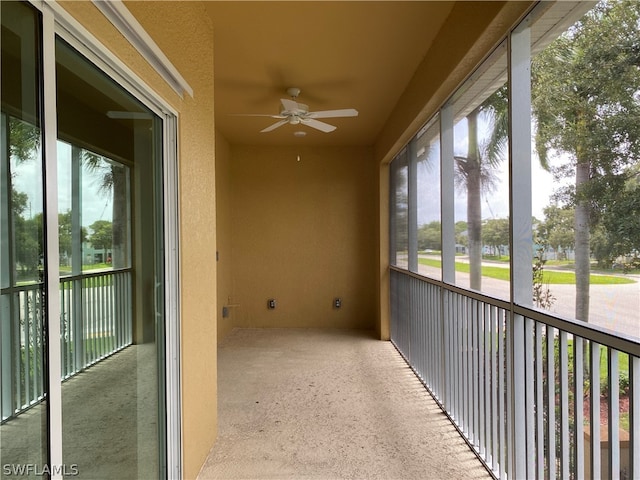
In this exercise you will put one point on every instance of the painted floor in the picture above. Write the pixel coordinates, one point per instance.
(328, 404)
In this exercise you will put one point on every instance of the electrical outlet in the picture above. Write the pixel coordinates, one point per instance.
(271, 303)
(337, 302)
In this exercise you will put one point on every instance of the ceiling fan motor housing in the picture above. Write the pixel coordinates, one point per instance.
(293, 92)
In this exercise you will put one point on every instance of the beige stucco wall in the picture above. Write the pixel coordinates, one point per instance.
(303, 233)
(224, 231)
(184, 33)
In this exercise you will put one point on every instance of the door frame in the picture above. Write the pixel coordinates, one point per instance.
(57, 21)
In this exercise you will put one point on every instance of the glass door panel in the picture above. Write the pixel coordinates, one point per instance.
(23, 365)
(110, 179)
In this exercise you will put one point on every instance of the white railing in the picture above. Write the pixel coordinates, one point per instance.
(95, 322)
(96, 309)
(21, 348)
(524, 388)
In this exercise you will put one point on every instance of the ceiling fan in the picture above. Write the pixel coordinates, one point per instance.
(296, 113)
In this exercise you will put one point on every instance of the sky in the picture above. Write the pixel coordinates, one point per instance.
(27, 179)
(494, 204)
(96, 206)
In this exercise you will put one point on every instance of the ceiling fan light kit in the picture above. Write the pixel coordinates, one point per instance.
(295, 113)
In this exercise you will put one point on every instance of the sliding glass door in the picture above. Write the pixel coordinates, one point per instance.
(23, 260)
(109, 203)
(108, 406)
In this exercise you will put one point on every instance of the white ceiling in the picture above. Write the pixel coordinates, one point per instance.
(341, 54)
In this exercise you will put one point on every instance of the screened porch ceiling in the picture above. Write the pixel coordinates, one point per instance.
(340, 54)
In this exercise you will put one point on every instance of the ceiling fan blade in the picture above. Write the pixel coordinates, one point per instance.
(274, 126)
(324, 127)
(257, 115)
(289, 105)
(345, 112)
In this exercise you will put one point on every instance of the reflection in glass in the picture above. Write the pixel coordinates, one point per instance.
(110, 203)
(428, 200)
(86, 204)
(23, 431)
(481, 170)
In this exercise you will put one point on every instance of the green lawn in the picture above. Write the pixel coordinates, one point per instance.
(550, 277)
(87, 267)
(623, 361)
(623, 372)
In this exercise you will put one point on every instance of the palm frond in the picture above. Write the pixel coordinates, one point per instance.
(496, 111)
(102, 168)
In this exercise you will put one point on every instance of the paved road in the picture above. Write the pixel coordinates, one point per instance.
(616, 307)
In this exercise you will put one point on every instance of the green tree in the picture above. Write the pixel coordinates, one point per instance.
(622, 216)
(557, 230)
(24, 140)
(65, 232)
(618, 213)
(19, 202)
(28, 242)
(461, 232)
(113, 183)
(601, 246)
(585, 103)
(429, 236)
(102, 235)
(495, 233)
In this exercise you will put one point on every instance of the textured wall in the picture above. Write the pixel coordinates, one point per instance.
(224, 230)
(303, 233)
(185, 36)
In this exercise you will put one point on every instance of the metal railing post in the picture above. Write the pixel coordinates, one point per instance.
(634, 416)
(521, 251)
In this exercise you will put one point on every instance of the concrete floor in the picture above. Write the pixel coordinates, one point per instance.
(328, 404)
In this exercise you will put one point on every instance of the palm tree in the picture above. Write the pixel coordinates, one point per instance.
(477, 170)
(113, 183)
